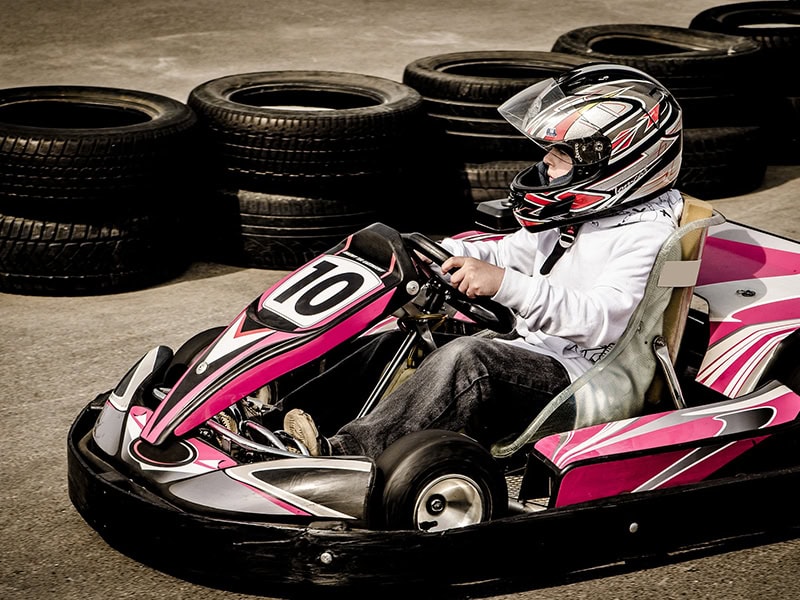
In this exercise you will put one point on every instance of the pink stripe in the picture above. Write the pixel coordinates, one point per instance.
(782, 310)
(647, 434)
(708, 466)
(736, 369)
(556, 447)
(727, 260)
(602, 480)
(208, 453)
(157, 425)
(265, 372)
(269, 370)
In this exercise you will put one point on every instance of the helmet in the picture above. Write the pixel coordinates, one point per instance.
(623, 130)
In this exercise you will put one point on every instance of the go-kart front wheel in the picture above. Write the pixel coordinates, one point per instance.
(436, 480)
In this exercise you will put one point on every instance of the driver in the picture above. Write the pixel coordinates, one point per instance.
(594, 213)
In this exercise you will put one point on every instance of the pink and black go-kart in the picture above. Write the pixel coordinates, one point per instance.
(685, 435)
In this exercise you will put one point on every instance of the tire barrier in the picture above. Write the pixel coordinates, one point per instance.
(92, 188)
(296, 160)
(703, 70)
(720, 162)
(105, 190)
(284, 231)
(775, 25)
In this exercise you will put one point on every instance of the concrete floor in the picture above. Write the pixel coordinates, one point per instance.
(57, 353)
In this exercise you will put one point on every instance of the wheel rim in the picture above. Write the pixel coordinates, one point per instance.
(448, 502)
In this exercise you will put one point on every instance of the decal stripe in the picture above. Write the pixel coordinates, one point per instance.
(729, 260)
(234, 338)
(266, 491)
(732, 365)
(771, 406)
(698, 464)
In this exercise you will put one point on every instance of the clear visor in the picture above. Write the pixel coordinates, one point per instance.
(536, 110)
(539, 110)
(524, 106)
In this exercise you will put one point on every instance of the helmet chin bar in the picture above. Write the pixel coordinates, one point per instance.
(557, 208)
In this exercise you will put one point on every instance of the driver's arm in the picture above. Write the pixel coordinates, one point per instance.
(591, 293)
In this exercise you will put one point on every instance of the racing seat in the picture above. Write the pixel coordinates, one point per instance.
(620, 383)
(681, 276)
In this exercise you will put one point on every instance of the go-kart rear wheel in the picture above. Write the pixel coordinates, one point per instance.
(436, 480)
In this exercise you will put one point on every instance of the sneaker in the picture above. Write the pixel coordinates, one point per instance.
(301, 427)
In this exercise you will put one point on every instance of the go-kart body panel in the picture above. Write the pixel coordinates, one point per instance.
(284, 519)
(332, 298)
(667, 449)
(194, 474)
(751, 281)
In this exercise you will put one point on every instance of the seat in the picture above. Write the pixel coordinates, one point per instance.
(681, 276)
(620, 383)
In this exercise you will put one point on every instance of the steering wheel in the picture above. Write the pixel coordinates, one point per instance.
(484, 311)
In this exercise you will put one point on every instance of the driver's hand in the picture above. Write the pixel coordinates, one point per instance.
(473, 277)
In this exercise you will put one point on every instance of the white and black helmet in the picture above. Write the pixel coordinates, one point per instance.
(623, 130)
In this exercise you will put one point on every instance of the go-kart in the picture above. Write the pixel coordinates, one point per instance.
(184, 466)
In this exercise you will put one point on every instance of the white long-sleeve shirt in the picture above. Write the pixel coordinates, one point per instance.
(577, 311)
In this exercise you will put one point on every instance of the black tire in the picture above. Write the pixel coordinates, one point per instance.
(48, 257)
(703, 70)
(774, 25)
(785, 126)
(286, 248)
(67, 150)
(492, 180)
(310, 134)
(462, 90)
(461, 93)
(720, 162)
(91, 187)
(444, 470)
(466, 83)
(680, 58)
(273, 210)
(274, 231)
(305, 133)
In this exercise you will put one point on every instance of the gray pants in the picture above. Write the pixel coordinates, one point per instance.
(486, 388)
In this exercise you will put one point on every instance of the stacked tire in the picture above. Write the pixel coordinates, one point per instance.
(775, 25)
(298, 160)
(708, 73)
(92, 182)
(477, 150)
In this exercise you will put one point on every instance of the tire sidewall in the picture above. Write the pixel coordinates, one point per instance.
(415, 460)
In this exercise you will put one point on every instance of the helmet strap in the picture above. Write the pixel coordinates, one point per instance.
(565, 241)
